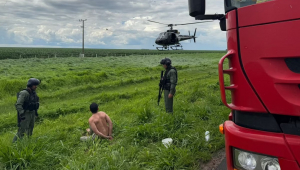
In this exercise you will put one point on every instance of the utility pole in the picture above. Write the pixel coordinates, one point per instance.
(82, 35)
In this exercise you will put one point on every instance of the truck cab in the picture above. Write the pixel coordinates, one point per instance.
(263, 129)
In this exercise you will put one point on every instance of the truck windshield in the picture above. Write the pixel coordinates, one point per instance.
(242, 3)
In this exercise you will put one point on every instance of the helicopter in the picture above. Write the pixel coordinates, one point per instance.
(171, 38)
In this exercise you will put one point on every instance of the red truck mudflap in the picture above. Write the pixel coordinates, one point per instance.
(261, 142)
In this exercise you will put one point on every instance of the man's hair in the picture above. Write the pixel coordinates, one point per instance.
(94, 108)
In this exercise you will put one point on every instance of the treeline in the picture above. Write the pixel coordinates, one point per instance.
(15, 53)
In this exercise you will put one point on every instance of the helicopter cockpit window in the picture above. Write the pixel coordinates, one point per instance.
(242, 3)
(173, 37)
(161, 35)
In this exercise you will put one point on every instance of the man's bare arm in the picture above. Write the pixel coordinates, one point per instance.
(90, 131)
(110, 125)
(95, 130)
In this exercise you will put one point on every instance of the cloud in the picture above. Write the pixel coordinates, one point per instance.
(110, 24)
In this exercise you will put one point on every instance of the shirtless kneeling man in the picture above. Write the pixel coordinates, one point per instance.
(100, 123)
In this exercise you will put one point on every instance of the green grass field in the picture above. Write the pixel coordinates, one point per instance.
(126, 88)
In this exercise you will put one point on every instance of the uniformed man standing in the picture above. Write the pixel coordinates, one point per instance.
(27, 106)
(169, 83)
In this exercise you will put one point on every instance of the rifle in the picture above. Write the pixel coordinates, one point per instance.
(161, 87)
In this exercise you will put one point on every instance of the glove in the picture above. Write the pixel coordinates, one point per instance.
(22, 116)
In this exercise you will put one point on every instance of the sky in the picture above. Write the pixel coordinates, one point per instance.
(111, 24)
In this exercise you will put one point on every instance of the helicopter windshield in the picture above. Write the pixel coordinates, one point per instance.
(161, 35)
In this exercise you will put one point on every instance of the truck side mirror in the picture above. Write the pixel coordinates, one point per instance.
(196, 7)
(197, 10)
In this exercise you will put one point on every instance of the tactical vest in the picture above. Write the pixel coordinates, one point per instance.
(166, 81)
(32, 103)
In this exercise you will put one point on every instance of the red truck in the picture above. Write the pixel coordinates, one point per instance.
(263, 51)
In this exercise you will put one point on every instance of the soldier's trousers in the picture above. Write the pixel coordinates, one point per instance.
(168, 102)
(26, 126)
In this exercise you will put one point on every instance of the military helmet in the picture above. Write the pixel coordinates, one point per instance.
(166, 61)
(33, 82)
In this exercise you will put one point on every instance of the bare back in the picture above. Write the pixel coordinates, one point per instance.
(100, 120)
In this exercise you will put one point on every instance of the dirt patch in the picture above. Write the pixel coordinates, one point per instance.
(215, 161)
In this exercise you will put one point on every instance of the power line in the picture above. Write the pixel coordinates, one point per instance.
(82, 34)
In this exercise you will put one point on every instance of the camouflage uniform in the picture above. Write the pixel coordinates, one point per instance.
(169, 82)
(169, 88)
(27, 106)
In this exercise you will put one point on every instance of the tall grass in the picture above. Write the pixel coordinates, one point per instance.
(127, 91)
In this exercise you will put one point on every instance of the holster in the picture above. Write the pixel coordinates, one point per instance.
(19, 119)
(36, 113)
(167, 86)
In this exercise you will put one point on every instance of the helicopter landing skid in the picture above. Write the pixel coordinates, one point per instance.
(177, 47)
(163, 48)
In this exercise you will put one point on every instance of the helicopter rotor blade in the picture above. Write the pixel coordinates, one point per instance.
(192, 23)
(163, 26)
(171, 25)
(157, 22)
